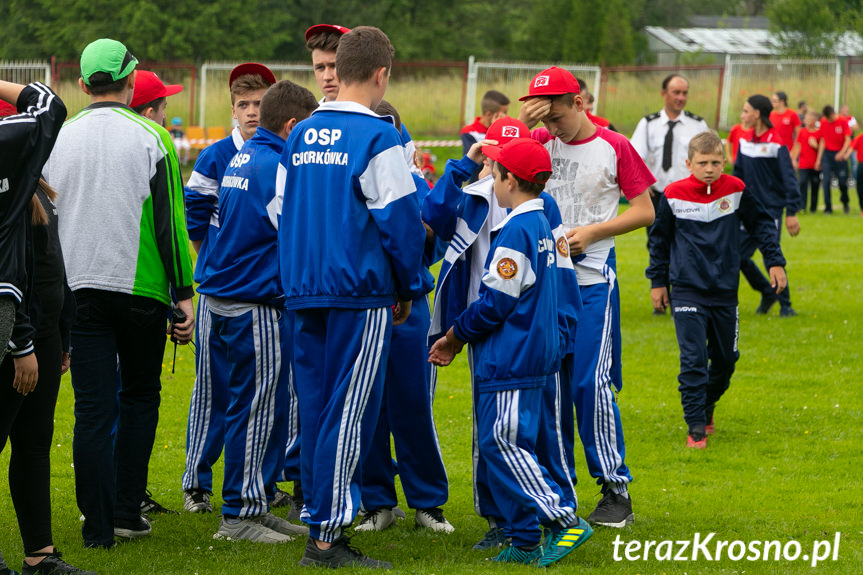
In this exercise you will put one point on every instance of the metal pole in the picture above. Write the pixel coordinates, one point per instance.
(470, 97)
(202, 118)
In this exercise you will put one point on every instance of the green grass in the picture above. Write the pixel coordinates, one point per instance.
(783, 465)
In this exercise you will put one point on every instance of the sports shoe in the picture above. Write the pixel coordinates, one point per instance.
(696, 443)
(613, 510)
(280, 525)
(710, 428)
(399, 512)
(197, 501)
(132, 528)
(51, 565)
(787, 311)
(281, 499)
(513, 554)
(4, 568)
(563, 542)
(151, 506)
(248, 530)
(767, 301)
(433, 519)
(297, 503)
(339, 554)
(494, 538)
(376, 520)
(846, 208)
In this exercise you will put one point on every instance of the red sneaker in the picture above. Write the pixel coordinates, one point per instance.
(710, 429)
(696, 444)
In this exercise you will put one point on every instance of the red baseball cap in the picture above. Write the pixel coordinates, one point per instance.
(252, 68)
(507, 129)
(553, 81)
(524, 157)
(148, 87)
(321, 28)
(7, 109)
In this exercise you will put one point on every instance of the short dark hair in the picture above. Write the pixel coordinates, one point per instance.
(100, 83)
(151, 104)
(532, 188)
(493, 101)
(247, 83)
(361, 53)
(671, 77)
(706, 143)
(325, 41)
(285, 100)
(582, 85)
(782, 96)
(827, 111)
(387, 109)
(801, 103)
(566, 99)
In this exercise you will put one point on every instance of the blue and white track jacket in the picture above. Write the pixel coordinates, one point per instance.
(458, 216)
(242, 262)
(202, 193)
(351, 234)
(511, 325)
(764, 164)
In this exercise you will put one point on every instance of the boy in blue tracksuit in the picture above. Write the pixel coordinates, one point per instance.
(240, 278)
(694, 247)
(464, 218)
(350, 246)
(406, 412)
(513, 328)
(205, 434)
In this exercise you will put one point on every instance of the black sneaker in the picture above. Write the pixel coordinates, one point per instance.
(846, 208)
(767, 301)
(613, 510)
(4, 568)
(297, 503)
(150, 506)
(281, 499)
(132, 528)
(494, 538)
(197, 501)
(339, 554)
(52, 565)
(787, 311)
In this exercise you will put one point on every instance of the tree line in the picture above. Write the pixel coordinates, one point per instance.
(550, 30)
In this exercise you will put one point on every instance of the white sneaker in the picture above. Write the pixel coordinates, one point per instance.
(249, 530)
(280, 525)
(433, 519)
(376, 520)
(197, 501)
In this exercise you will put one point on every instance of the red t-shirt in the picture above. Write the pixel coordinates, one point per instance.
(857, 146)
(834, 133)
(784, 125)
(736, 134)
(598, 120)
(808, 154)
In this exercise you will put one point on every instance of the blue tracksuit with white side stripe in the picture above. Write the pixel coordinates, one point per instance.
(464, 218)
(241, 280)
(694, 247)
(515, 351)
(205, 433)
(351, 240)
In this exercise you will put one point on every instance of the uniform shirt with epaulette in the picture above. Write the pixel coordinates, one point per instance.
(649, 141)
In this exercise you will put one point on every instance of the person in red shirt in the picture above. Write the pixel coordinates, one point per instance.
(803, 155)
(785, 121)
(737, 133)
(857, 146)
(833, 157)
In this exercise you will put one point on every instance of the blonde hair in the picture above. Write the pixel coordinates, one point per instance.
(706, 143)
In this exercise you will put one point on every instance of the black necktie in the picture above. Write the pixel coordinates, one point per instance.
(666, 148)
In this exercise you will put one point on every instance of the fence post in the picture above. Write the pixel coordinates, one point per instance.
(719, 100)
(203, 118)
(836, 98)
(726, 91)
(470, 96)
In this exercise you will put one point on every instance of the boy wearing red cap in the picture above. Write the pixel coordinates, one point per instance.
(514, 352)
(592, 166)
(206, 428)
(151, 96)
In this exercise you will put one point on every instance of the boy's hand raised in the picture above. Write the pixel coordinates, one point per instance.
(475, 152)
(533, 110)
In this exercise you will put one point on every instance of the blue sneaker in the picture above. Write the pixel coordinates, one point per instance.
(561, 543)
(494, 538)
(513, 554)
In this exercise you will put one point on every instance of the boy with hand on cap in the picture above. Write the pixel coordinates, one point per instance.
(151, 96)
(512, 327)
(464, 217)
(592, 166)
(206, 429)
(125, 248)
(249, 328)
(764, 165)
(695, 248)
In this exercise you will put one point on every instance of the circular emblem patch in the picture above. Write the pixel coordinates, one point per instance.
(724, 205)
(563, 246)
(507, 268)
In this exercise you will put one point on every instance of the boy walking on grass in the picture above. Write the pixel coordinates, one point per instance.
(695, 249)
(350, 246)
(512, 327)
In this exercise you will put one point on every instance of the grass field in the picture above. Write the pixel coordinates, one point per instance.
(784, 464)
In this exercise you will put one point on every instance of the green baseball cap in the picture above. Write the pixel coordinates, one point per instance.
(108, 56)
